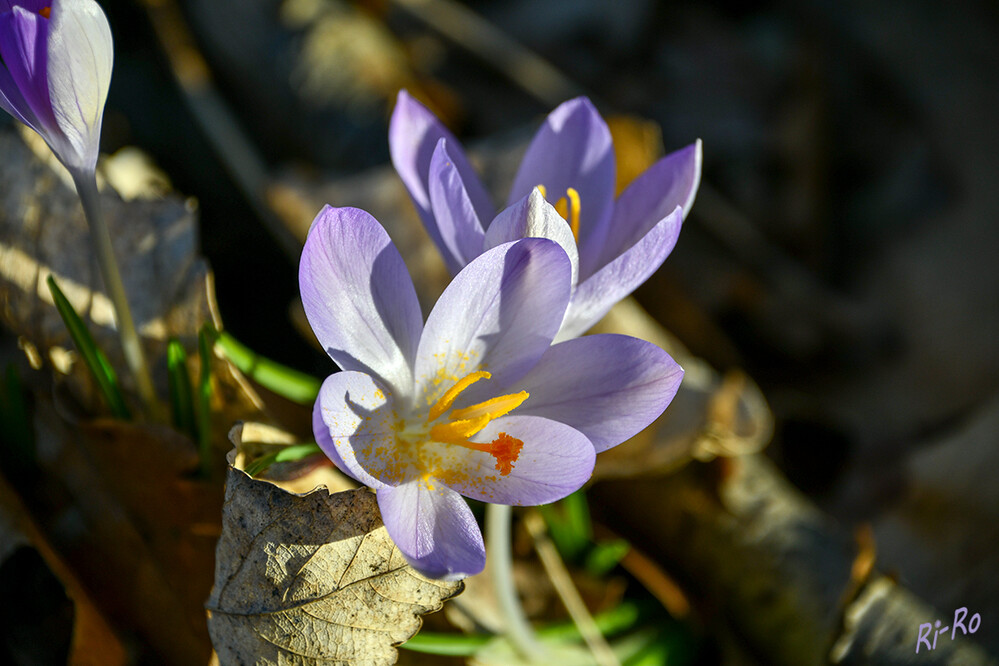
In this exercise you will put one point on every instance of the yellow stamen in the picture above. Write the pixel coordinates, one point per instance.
(568, 207)
(493, 408)
(574, 209)
(543, 190)
(562, 208)
(46, 12)
(468, 421)
(458, 432)
(452, 393)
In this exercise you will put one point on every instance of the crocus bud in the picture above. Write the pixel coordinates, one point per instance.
(57, 59)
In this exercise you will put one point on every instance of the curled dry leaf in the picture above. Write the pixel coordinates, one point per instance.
(311, 579)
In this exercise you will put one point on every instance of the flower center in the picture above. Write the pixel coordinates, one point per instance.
(568, 207)
(464, 423)
(46, 12)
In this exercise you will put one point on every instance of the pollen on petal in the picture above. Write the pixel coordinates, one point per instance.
(506, 450)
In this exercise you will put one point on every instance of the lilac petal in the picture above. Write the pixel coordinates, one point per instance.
(23, 36)
(434, 529)
(13, 102)
(325, 441)
(573, 149)
(499, 314)
(353, 422)
(608, 387)
(597, 294)
(34, 6)
(555, 460)
(533, 217)
(359, 298)
(458, 224)
(670, 182)
(413, 135)
(80, 58)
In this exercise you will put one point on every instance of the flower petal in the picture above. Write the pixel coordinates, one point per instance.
(353, 423)
(573, 149)
(80, 58)
(499, 314)
(434, 529)
(413, 135)
(359, 298)
(555, 460)
(670, 182)
(458, 224)
(533, 217)
(13, 102)
(23, 37)
(321, 432)
(597, 294)
(622, 385)
(35, 6)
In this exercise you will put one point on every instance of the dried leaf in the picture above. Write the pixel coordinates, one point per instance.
(43, 232)
(93, 640)
(116, 499)
(311, 579)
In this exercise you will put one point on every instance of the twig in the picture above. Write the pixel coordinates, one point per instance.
(567, 591)
(523, 67)
(236, 151)
(774, 566)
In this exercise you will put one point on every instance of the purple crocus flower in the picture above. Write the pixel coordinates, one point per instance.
(571, 160)
(57, 58)
(476, 402)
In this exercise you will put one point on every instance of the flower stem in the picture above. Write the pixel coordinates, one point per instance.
(131, 345)
(499, 559)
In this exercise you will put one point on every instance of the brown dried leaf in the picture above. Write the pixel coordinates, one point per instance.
(115, 500)
(311, 579)
(93, 640)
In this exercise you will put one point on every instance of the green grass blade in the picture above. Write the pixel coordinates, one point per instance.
(291, 384)
(18, 451)
(451, 645)
(612, 622)
(605, 556)
(97, 362)
(206, 339)
(569, 525)
(181, 396)
(287, 454)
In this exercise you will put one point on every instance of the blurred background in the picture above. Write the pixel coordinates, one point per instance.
(842, 250)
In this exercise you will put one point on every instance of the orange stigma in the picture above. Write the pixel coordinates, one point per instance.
(46, 12)
(506, 450)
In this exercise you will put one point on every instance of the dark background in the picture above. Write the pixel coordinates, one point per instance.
(842, 249)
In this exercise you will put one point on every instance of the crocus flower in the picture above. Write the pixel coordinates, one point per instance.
(57, 57)
(476, 402)
(571, 160)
